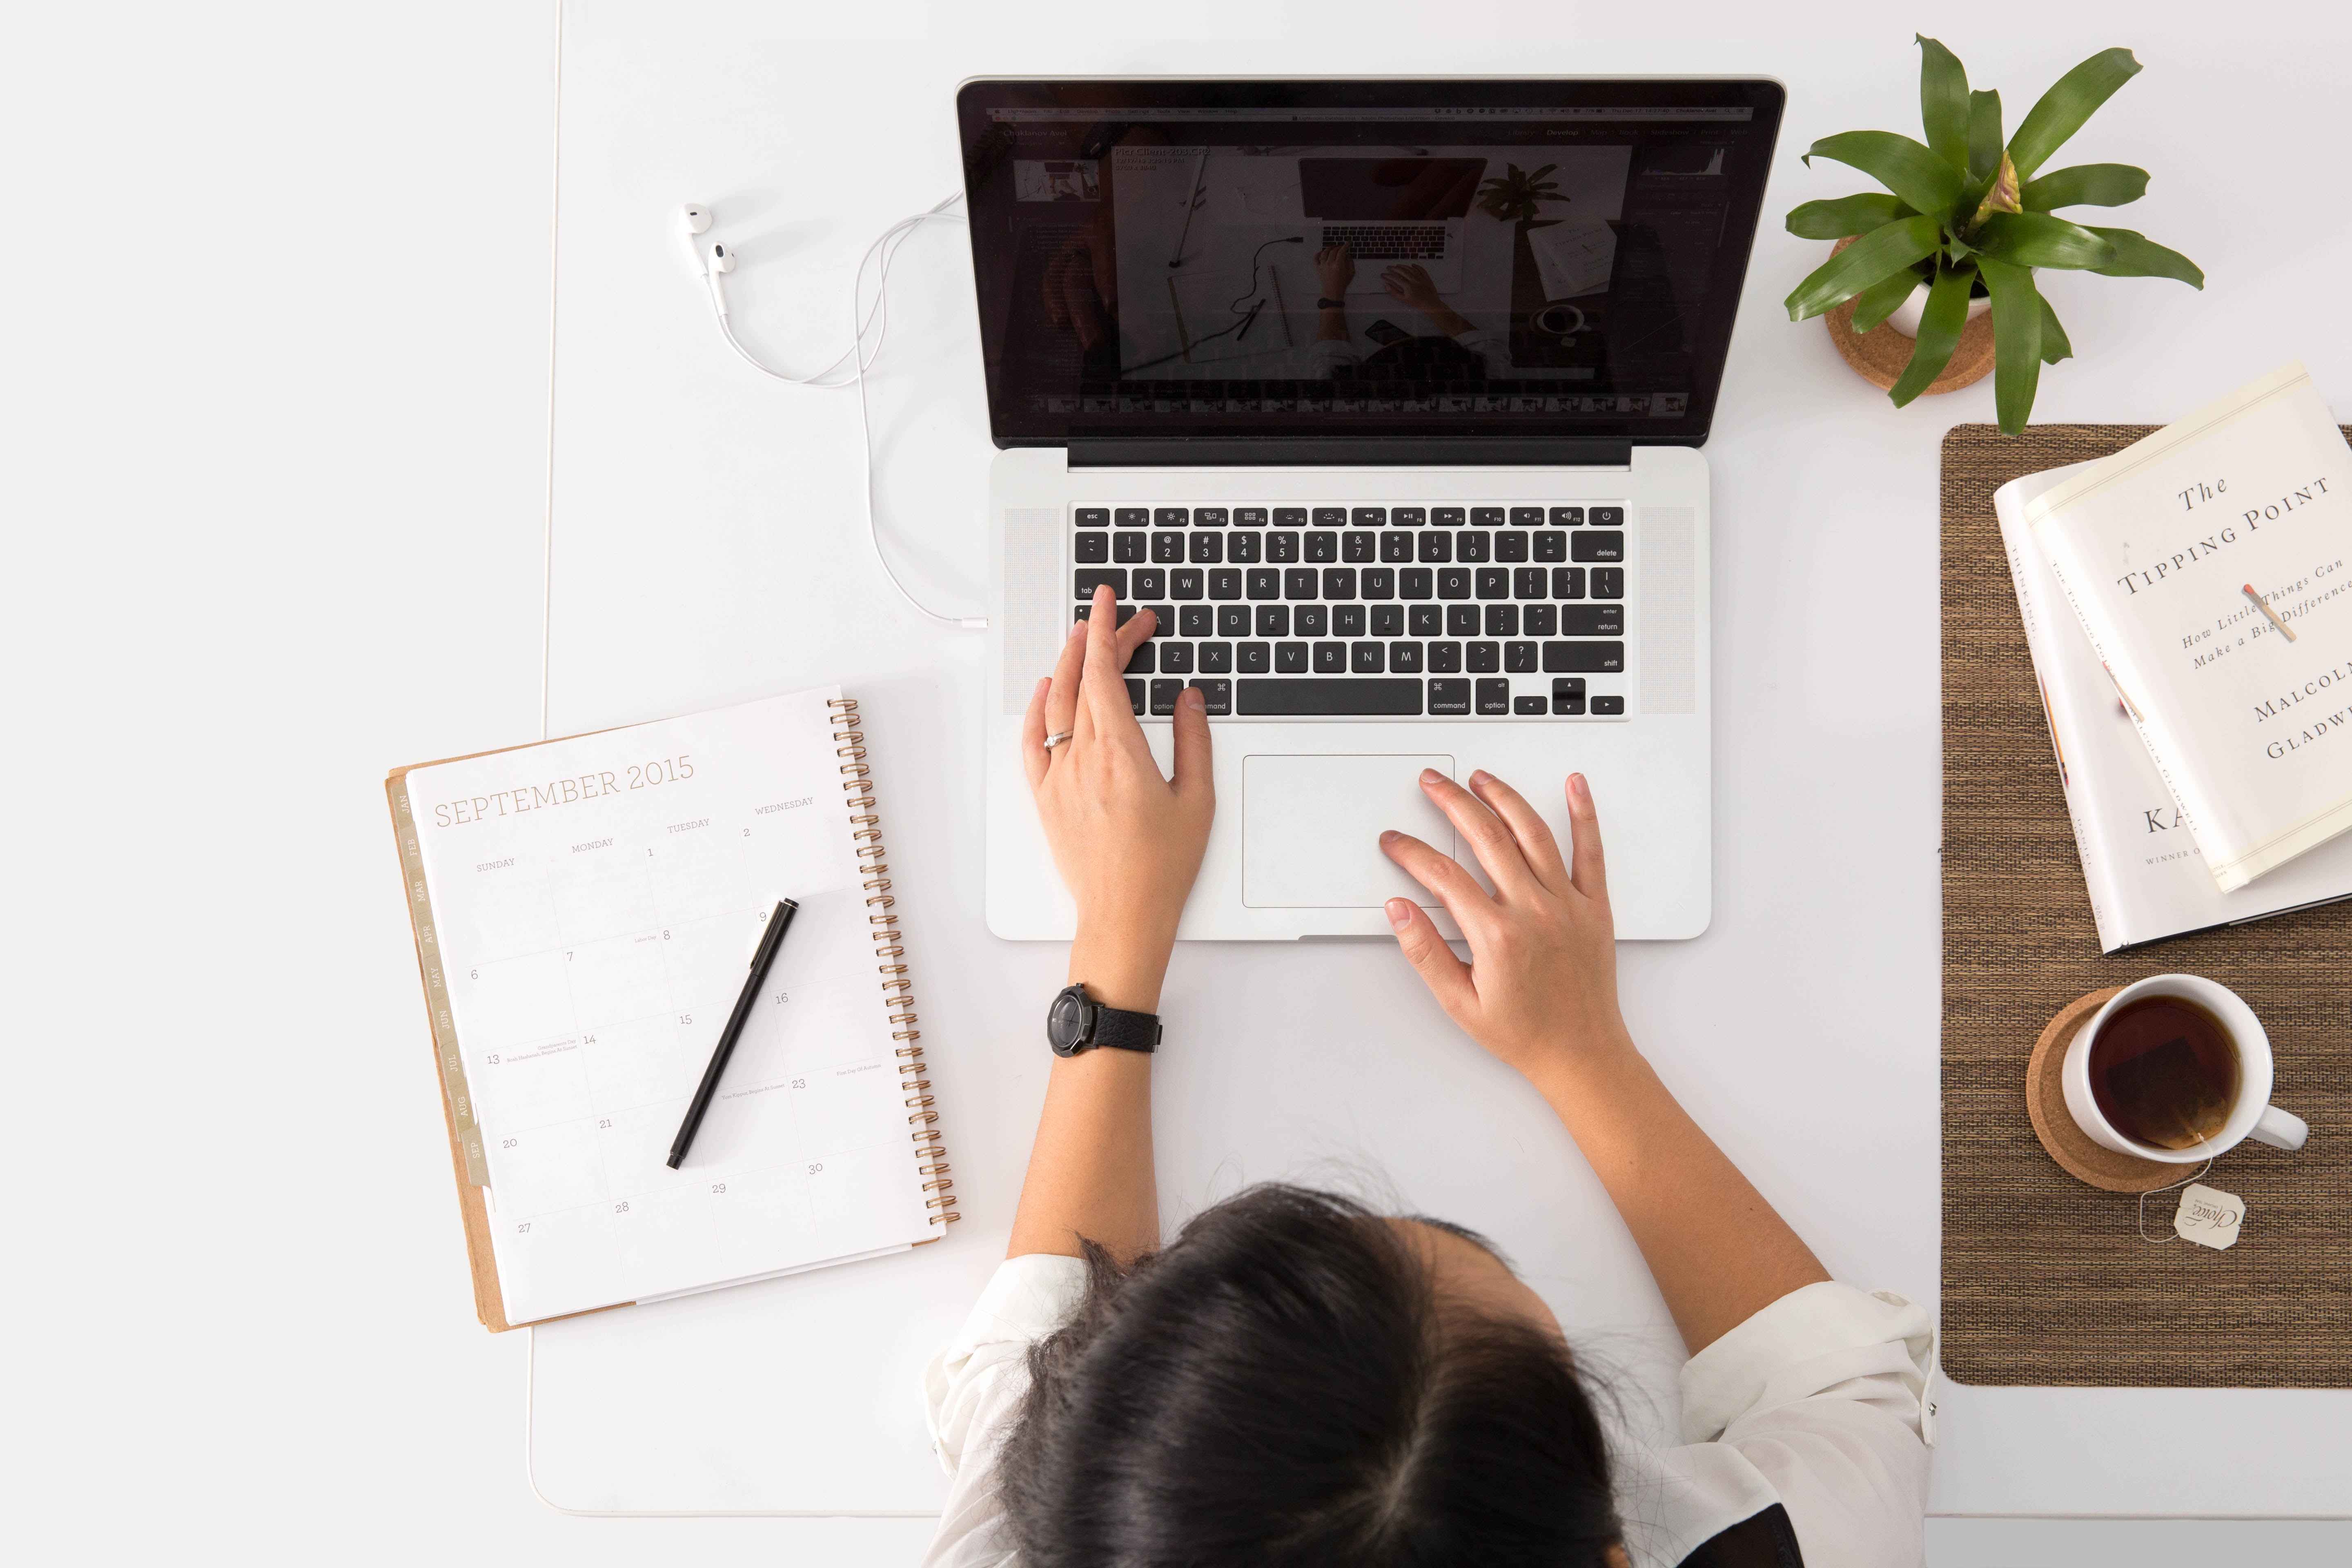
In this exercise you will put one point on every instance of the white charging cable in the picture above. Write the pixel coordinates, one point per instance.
(847, 370)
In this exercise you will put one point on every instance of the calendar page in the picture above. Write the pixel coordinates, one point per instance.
(597, 901)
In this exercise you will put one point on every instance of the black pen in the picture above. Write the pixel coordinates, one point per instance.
(770, 941)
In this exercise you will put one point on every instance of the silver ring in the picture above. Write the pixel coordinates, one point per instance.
(1054, 740)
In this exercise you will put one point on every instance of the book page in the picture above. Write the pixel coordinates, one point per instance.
(597, 902)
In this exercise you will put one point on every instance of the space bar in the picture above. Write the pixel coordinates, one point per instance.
(1337, 694)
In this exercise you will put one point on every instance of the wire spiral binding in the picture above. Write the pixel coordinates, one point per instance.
(889, 954)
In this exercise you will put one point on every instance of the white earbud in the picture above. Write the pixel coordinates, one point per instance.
(717, 265)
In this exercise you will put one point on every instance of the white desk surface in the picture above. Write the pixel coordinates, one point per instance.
(706, 548)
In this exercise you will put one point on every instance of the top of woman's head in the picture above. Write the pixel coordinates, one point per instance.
(1292, 1381)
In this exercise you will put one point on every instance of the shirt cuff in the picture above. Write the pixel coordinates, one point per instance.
(1808, 1342)
(1027, 1298)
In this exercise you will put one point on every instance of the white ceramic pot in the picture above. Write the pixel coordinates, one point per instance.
(1905, 318)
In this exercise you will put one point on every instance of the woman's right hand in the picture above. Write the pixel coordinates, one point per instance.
(1541, 991)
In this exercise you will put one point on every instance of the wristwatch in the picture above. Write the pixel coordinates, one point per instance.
(1327, 303)
(1076, 1022)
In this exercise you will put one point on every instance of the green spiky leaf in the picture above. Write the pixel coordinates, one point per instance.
(1903, 166)
(2085, 185)
(2037, 239)
(2071, 99)
(1868, 260)
(2137, 256)
(2055, 346)
(1944, 102)
(1845, 216)
(1984, 137)
(1939, 333)
(1884, 298)
(2017, 341)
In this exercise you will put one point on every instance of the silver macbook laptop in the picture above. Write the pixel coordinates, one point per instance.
(1386, 397)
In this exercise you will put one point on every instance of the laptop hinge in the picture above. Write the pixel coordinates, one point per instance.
(1212, 452)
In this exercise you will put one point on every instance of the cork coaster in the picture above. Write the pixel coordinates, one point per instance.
(1880, 355)
(2045, 1101)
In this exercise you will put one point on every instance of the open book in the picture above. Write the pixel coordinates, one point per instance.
(2183, 555)
(2145, 876)
(585, 911)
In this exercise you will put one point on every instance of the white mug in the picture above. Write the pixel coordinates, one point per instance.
(2252, 1116)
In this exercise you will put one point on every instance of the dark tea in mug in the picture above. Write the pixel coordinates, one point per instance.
(2164, 1072)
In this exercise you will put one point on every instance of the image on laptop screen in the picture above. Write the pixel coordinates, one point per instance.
(1181, 260)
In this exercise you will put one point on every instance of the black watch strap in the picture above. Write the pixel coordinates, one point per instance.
(1328, 303)
(1127, 1031)
(1079, 1023)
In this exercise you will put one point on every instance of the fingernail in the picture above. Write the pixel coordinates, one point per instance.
(1430, 775)
(1078, 629)
(1479, 777)
(1044, 681)
(1400, 913)
(1580, 789)
(1388, 837)
(1192, 698)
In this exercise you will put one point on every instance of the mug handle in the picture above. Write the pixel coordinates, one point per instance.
(2279, 1129)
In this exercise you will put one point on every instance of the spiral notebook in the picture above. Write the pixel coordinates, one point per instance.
(585, 911)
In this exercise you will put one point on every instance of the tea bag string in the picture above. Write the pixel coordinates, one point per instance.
(2160, 1240)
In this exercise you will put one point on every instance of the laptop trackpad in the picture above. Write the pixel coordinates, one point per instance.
(1311, 829)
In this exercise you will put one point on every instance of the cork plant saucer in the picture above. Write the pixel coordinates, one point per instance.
(2045, 1101)
(1879, 355)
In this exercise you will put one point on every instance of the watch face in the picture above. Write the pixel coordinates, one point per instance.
(1066, 1023)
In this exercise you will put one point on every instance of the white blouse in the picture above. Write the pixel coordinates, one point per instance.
(1814, 1404)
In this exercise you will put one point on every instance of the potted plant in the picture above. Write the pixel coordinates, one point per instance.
(1965, 216)
(1515, 196)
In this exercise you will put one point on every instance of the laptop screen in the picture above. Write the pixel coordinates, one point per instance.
(1361, 261)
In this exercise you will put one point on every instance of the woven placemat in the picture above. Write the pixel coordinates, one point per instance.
(2046, 1280)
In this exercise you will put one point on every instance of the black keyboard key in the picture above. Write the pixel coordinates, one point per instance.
(1487, 516)
(1527, 517)
(1449, 697)
(1416, 583)
(1608, 707)
(1367, 659)
(1608, 516)
(1217, 696)
(1567, 582)
(1224, 582)
(1196, 620)
(1094, 548)
(1388, 620)
(1583, 657)
(1511, 544)
(1568, 517)
(1592, 621)
(1150, 582)
(1322, 547)
(1217, 659)
(1176, 658)
(1249, 517)
(1473, 545)
(1242, 548)
(1169, 516)
(1163, 619)
(1290, 658)
(1255, 658)
(1356, 547)
(1233, 620)
(1168, 549)
(1608, 583)
(1444, 658)
(1493, 582)
(1184, 583)
(1129, 548)
(1551, 544)
(1380, 582)
(1486, 658)
(1126, 614)
(1568, 699)
(1453, 582)
(1462, 620)
(1395, 546)
(1330, 658)
(1273, 620)
(1539, 620)
(1163, 697)
(1519, 658)
(1339, 581)
(1502, 620)
(1347, 620)
(1609, 546)
(1089, 578)
(1369, 517)
(1290, 517)
(1436, 547)
(1527, 581)
(1264, 582)
(1093, 517)
(1310, 621)
(1330, 517)
(1404, 658)
(1445, 516)
(1298, 583)
(1136, 697)
(1528, 706)
(1209, 516)
(1282, 548)
(1140, 661)
(1385, 698)
(1134, 516)
(1408, 516)
(1207, 549)
(1494, 698)
(1426, 621)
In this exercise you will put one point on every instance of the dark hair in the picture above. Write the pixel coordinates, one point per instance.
(1422, 359)
(1283, 1386)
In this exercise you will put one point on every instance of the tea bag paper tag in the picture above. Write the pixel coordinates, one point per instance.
(2209, 1217)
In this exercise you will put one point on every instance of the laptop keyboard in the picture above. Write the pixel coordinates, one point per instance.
(1389, 241)
(1367, 612)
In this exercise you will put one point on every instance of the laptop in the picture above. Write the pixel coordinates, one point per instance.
(1459, 521)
